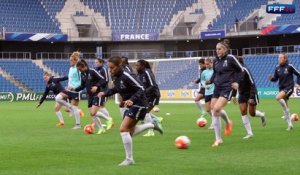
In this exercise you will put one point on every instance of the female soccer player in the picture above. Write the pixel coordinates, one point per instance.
(248, 99)
(284, 73)
(126, 65)
(146, 76)
(74, 82)
(103, 113)
(201, 92)
(93, 82)
(227, 75)
(53, 84)
(134, 99)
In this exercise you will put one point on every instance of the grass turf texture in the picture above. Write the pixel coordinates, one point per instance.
(30, 143)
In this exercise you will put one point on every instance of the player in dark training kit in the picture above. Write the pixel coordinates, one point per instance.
(227, 74)
(103, 113)
(93, 82)
(284, 74)
(53, 84)
(134, 99)
(146, 76)
(248, 99)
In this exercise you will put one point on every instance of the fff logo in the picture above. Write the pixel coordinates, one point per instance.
(281, 8)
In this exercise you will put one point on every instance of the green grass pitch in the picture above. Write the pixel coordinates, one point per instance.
(30, 143)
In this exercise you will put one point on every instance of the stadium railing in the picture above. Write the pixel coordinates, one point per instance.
(134, 54)
(271, 50)
(15, 55)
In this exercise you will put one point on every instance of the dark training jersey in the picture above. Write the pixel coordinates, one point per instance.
(89, 79)
(128, 68)
(227, 70)
(104, 72)
(247, 84)
(148, 79)
(129, 87)
(284, 73)
(53, 85)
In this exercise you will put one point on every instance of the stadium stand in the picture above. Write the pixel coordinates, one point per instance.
(26, 72)
(7, 86)
(232, 9)
(291, 18)
(18, 17)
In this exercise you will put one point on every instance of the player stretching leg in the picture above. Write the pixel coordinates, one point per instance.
(201, 92)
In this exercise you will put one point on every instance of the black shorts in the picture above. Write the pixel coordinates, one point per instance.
(136, 112)
(288, 91)
(244, 98)
(201, 91)
(153, 101)
(225, 92)
(96, 101)
(208, 98)
(72, 95)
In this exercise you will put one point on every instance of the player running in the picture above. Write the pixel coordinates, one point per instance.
(284, 74)
(248, 99)
(227, 75)
(53, 84)
(73, 82)
(103, 113)
(146, 76)
(93, 82)
(201, 92)
(134, 99)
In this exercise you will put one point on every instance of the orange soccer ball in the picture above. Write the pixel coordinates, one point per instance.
(182, 142)
(89, 129)
(295, 117)
(201, 122)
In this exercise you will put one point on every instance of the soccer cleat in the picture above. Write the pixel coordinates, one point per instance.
(77, 126)
(157, 125)
(101, 131)
(211, 127)
(228, 128)
(217, 143)
(248, 136)
(160, 119)
(149, 134)
(264, 120)
(127, 162)
(290, 127)
(60, 124)
(81, 113)
(283, 117)
(110, 123)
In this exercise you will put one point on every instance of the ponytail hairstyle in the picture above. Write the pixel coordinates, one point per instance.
(225, 44)
(82, 63)
(201, 61)
(124, 61)
(209, 59)
(144, 63)
(76, 55)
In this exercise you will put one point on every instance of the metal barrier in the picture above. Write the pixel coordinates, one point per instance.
(271, 50)
(15, 55)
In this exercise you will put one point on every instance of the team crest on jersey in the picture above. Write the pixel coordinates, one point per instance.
(122, 86)
(89, 77)
(144, 79)
(286, 71)
(52, 84)
(225, 63)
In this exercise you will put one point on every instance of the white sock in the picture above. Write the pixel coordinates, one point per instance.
(76, 114)
(247, 124)
(59, 99)
(259, 114)
(217, 127)
(122, 111)
(212, 118)
(224, 116)
(59, 116)
(102, 115)
(286, 111)
(140, 128)
(199, 105)
(105, 112)
(148, 119)
(127, 142)
(97, 122)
